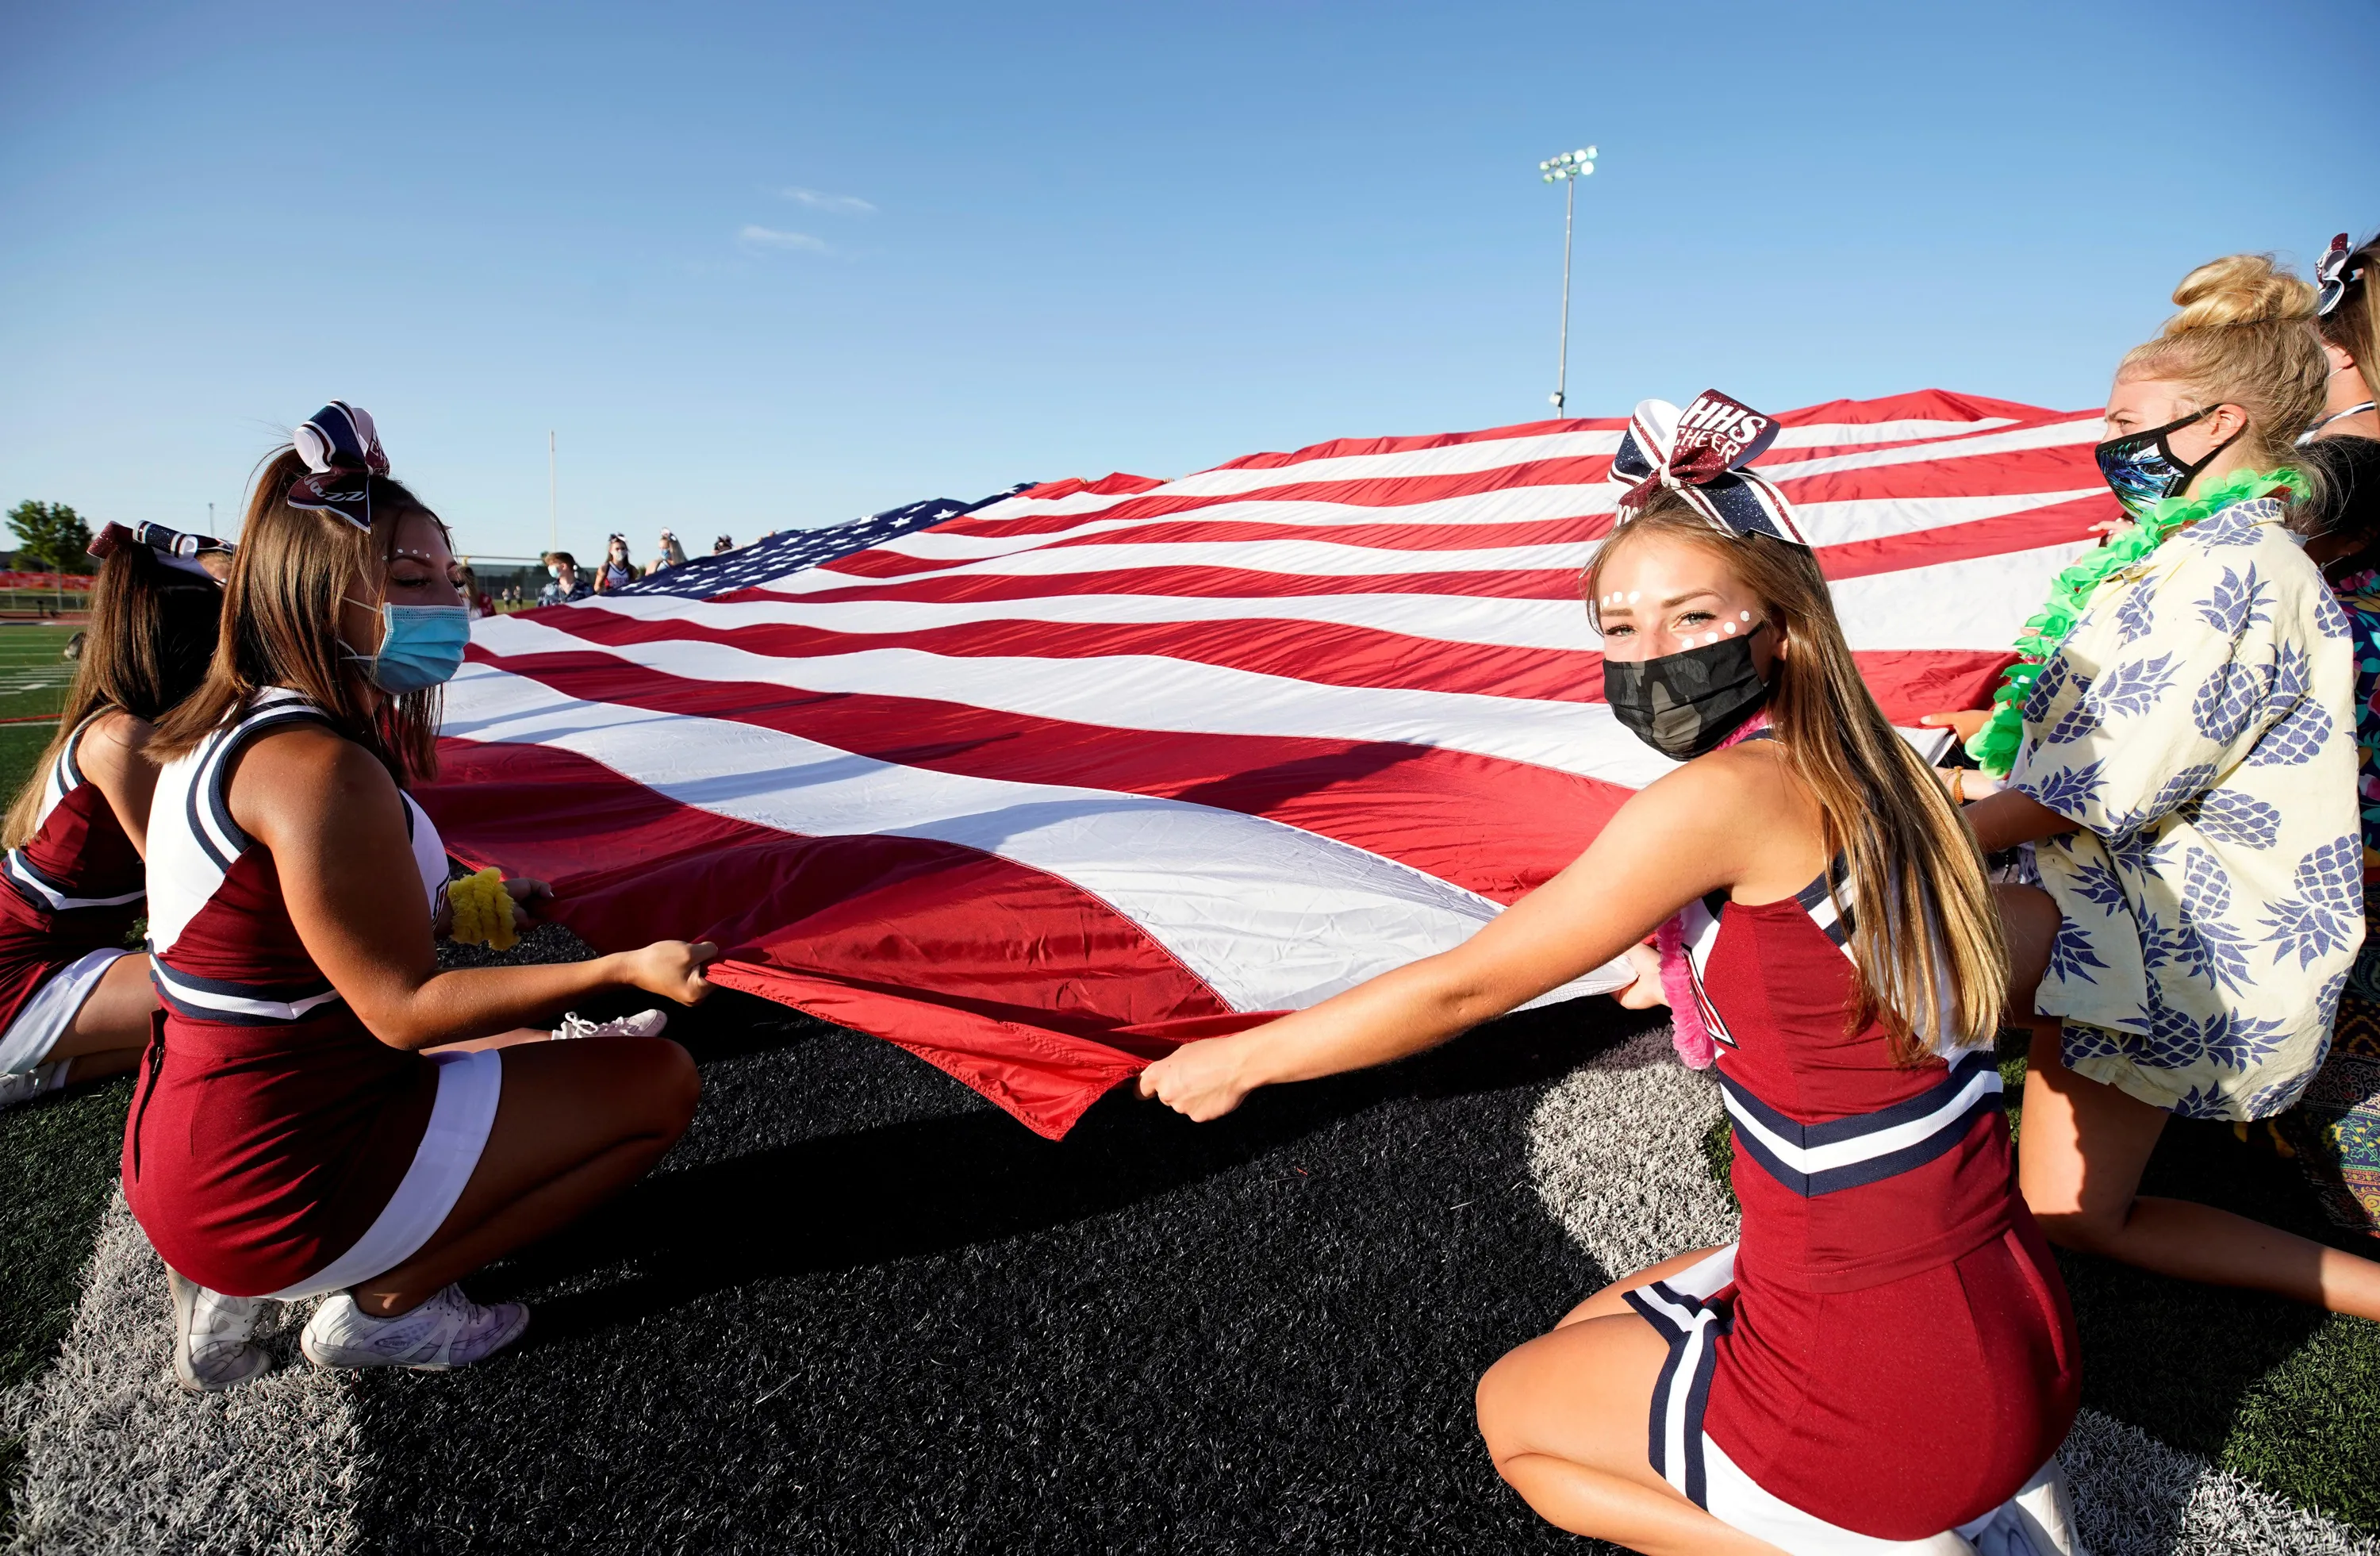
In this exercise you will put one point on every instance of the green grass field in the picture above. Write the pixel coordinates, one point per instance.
(34, 672)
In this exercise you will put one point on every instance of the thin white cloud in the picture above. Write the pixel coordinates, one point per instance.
(770, 238)
(840, 205)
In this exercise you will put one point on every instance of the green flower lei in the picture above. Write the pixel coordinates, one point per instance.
(1995, 746)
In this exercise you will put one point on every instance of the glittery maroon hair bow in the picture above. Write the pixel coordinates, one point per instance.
(1701, 454)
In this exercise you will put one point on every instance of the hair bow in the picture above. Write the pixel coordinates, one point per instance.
(2332, 274)
(341, 447)
(1700, 453)
(171, 547)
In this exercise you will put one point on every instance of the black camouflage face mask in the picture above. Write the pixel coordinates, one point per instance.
(1684, 704)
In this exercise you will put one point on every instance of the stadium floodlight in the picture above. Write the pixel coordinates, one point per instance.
(1566, 170)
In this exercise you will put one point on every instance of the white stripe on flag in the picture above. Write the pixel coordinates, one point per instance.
(1958, 606)
(1452, 619)
(1827, 523)
(1270, 916)
(1489, 453)
(1151, 692)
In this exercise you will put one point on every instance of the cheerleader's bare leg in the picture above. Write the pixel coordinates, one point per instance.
(2084, 1145)
(1564, 1420)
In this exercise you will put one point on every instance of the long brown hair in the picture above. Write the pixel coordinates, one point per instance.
(151, 632)
(2354, 326)
(281, 625)
(1926, 929)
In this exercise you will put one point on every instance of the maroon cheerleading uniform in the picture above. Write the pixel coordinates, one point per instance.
(75, 886)
(1895, 1354)
(269, 1127)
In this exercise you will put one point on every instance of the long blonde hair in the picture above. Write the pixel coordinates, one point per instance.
(2244, 337)
(281, 625)
(1926, 929)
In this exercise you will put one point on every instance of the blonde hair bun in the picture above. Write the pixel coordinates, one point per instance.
(2238, 289)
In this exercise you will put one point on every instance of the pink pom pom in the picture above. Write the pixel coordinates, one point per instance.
(1694, 1042)
(1696, 1047)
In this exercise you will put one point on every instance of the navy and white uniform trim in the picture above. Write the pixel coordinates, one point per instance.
(1815, 1158)
(237, 1004)
(1826, 900)
(190, 865)
(38, 889)
(208, 802)
(1681, 1311)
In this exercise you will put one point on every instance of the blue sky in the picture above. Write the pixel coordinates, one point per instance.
(762, 266)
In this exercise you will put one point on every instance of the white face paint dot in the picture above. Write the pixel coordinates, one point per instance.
(1632, 594)
(1731, 629)
(1745, 615)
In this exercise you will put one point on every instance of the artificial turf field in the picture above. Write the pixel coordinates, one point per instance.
(860, 1310)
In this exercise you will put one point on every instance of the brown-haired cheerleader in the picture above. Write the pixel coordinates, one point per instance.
(324, 1111)
(74, 1000)
(1884, 1361)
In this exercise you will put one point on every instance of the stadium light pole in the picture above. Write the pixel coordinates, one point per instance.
(1566, 170)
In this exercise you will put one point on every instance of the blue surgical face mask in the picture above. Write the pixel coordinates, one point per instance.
(420, 646)
(2141, 468)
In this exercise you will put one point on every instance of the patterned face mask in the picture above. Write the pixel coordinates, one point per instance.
(2141, 468)
(1684, 704)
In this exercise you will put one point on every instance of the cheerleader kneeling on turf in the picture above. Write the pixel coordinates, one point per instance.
(322, 1111)
(75, 999)
(1885, 1360)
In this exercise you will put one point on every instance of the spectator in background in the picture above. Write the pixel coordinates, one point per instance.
(671, 555)
(566, 585)
(75, 1002)
(618, 571)
(475, 600)
(723, 545)
(2186, 766)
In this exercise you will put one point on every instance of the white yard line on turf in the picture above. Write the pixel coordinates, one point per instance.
(1616, 1150)
(118, 1458)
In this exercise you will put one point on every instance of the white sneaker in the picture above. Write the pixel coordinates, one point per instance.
(644, 1023)
(448, 1330)
(211, 1349)
(23, 1085)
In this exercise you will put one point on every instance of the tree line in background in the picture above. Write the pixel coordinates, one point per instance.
(50, 538)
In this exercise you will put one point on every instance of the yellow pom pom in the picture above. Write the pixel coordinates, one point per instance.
(483, 911)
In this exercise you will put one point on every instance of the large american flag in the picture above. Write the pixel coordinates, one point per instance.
(1041, 789)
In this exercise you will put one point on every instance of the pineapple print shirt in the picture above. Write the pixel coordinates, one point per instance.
(2198, 723)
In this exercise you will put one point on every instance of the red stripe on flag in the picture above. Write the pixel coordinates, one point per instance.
(1418, 805)
(2018, 472)
(1021, 985)
(1191, 581)
(1320, 653)
(2061, 524)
